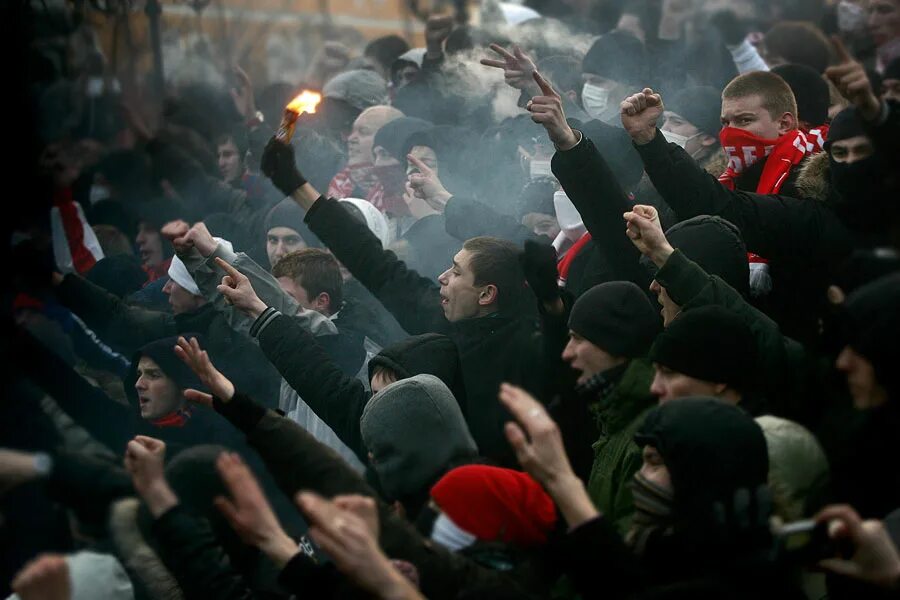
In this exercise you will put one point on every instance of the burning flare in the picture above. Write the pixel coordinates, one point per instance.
(305, 102)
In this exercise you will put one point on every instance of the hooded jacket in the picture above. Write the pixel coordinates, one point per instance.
(414, 430)
(335, 397)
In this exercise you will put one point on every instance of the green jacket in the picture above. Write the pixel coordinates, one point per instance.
(616, 457)
(788, 373)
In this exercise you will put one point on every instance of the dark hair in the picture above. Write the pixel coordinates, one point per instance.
(776, 94)
(386, 49)
(237, 135)
(496, 262)
(316, 271)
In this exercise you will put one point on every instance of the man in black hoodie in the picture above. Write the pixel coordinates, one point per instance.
(481, 301)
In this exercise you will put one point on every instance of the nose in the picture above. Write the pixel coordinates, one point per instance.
(657, 388)
(442, 279)
(568, 354)
(167, 289)
(140, 384)
(654, 287)
(842, 363)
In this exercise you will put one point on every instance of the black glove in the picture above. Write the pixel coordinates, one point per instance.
(278, 164)
(539, 265)
(732, 28)
(741, 524)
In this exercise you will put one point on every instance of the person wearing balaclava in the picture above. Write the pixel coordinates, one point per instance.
(611, 69)
(357, 179)
(390, 167)
(890, 81)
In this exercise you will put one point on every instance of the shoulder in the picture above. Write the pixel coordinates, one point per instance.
(813, 178)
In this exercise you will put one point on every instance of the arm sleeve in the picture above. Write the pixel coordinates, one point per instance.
(746, 58)
(412, 299)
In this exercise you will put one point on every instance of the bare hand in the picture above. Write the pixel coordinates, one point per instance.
(248, 511)
(640, 114)
(144, 459)
(437, 29)
(645, 231)
(875, 558)
(518, 68)
(176, 232)
(851, 80)
(426, 185)
(44, 578)
(198, 360)
(238, 291)
(202, 239)
(242, 94)
(347, 538)
(547, 110)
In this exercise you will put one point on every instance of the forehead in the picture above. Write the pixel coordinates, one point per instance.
(597, 79)
(227, 145)
(281, 232)
(855, 142)
(375, 116)
(751, 103)
(146, 363)
(421, 151)
(462, 258)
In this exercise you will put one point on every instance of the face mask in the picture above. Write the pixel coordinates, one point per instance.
(851, 17)
(595, 99)
(653, 511)
(860, 194)
(677, 138)
(744, 148)
(449, 535)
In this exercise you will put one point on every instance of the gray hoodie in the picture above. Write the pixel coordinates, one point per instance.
(414, 429)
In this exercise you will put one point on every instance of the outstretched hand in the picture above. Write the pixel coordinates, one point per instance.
(547, 110)
(645, 231)
(144, 460)
(343, 528)
(538, 445)
(875, 558)
(249, 512)
(437, 29)
(518, 68)
(849, 76)
(44, 578)
(198, 360)
(640, 114)
(242, 94)
(426, 185)
(238, 291)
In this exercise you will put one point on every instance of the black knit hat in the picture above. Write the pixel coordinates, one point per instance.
(287, 214)
(873, 328)
(809, 89)
(709, 343)
(892, 70)
(162, 351)
(716, 245)
(846, 124)
(619, 56)
(616, 316)
(393, 135)
(701, 106)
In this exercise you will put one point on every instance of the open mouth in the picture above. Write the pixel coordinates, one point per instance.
(143, 402)
(444, 300)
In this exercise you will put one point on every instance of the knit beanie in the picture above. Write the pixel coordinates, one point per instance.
(372, 217)
(810, 91)
(617, 317)
(359, 88)
(162, 352)
(288, 214)
(873, 327)
(496, 505)
(709, 343)
(120, 274)
(845, 125)
(619, 56)
(393, 135)
(701, 106)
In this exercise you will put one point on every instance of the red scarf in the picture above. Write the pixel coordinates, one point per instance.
(82, 257)
(565, 263)
(175, 419)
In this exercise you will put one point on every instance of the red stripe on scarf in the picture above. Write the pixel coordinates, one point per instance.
(565, 263)
(82, 258)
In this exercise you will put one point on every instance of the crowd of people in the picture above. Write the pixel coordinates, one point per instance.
(586, 300)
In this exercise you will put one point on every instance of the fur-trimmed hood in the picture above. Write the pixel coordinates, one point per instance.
(814, 179)
(144, 566)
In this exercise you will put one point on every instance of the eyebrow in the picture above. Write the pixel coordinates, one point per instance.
(455, 264)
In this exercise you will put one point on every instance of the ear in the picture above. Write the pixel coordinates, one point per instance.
(489, 295)
(707, 140)
(787, 122)
(323, 302)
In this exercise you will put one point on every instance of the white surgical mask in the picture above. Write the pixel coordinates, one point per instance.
(677, 138)
(450, 535)
(98, 193)
(851, 17)
(595, 100)
(94, 87)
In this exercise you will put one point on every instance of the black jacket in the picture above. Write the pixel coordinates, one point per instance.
(126, 328)
(802, 238)
(492, 349)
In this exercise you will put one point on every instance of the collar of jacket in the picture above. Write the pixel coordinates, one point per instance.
(197, 320)
(628, 398)
(482, 326)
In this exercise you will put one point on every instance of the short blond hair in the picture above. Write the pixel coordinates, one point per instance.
(776, 94)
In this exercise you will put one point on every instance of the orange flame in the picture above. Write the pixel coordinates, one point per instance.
(305, 102)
